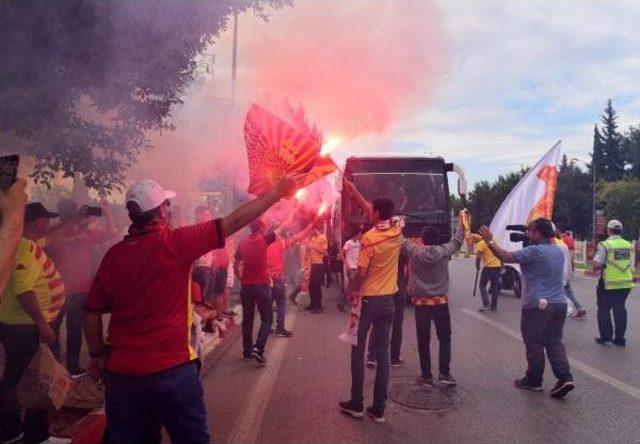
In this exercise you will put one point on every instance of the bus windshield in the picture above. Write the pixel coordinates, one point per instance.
(419, 196)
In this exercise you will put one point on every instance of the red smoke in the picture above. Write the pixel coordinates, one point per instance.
(354, 65)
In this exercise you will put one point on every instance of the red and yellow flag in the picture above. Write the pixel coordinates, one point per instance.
(276, 149)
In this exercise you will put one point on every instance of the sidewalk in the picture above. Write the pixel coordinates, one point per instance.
(82, 416)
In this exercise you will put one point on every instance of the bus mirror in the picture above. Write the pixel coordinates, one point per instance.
(462, 180)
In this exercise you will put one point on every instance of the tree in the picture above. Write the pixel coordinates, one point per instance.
(632, 150)
(573, 202)
(486, 198)
(598, 160)
(612, 144)
(83, 81)
(621, 200)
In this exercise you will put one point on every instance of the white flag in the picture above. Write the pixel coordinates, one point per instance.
(531, 198)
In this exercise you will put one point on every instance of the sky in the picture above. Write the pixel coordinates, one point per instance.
(488, 84)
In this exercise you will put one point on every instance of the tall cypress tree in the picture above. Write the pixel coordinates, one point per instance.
(598, 160)
(614, 158)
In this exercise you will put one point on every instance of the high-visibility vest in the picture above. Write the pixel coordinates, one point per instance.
(618, 270)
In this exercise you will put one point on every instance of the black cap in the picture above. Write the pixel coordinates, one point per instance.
(35, 210)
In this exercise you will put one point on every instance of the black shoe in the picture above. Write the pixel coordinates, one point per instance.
(292, 298)
(602, 341)
(341, 308)
(247, 356)
(259, 357)
(371, 363)
(561, 389)
(447, 379)
(351, 409)
(483, 309)
(283, 332)
(620, 342)
(376, 415)
(396, 362)
(309, 308)
(317, 310)
(526, 384)
(77, 373)
(426, 381)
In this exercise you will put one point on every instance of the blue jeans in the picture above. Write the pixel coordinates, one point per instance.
(205, 278)
(138, 407)
(250, 297)
(278, 293)
(377, 314)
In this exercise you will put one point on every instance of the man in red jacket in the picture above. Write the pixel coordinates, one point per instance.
(144, 282)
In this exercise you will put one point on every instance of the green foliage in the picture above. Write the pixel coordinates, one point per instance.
(83, 81)
(621, 200)
(632, 150)
(572, 208)
(485, 198)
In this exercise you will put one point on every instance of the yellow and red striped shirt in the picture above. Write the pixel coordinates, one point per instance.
(33, 271)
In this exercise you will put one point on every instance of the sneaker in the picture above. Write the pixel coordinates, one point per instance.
(371, 363)
(15, 440)
(351, 408)
(56, 440)
(483, 309)
(426, 381)
(309, 308)
(317, 311)
(247, 356)
(620, 342)
(602, 341)
(259, 357)
(341, 308)
(561, 389)
(292, 298)
(396, 362)
(77, 373)
(447, 379)
(579, 314)
(526, 384)
(376, 415)
(283, 332)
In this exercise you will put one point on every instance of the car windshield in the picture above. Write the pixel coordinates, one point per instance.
(419, 196)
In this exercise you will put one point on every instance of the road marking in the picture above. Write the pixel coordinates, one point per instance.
(595, 373)
(250, 421)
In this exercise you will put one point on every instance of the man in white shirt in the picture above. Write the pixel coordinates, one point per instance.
(349, 253)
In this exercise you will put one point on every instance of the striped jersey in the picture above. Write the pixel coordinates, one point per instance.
(33, 271)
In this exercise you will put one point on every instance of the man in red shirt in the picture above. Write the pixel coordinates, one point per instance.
(71, 248)
(251, 266)
(144, 282)
(275, 259)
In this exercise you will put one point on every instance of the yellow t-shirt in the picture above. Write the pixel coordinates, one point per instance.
(379, 252)
(32, 271)
(319, 242)
(488, 258)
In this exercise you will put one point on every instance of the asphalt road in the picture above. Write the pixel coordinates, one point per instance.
(294, 398)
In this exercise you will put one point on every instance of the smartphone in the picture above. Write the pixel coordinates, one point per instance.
(8, 171)
(93, 211)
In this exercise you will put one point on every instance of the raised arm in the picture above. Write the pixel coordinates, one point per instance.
(505, 256)
(359, 198)
(303, 234)
(244, 214)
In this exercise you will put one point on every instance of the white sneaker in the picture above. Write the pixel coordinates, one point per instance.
(55, 440)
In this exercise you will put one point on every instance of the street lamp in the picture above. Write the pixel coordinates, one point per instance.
(593, 203)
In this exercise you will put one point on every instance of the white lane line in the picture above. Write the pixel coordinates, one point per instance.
(250, 421)
(595, 373)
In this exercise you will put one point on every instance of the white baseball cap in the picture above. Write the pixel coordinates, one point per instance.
(614, 224)
(148, 194)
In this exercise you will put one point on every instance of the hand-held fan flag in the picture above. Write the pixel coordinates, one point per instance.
(275, 149)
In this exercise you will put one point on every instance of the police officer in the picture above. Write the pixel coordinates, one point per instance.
(613, 258)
